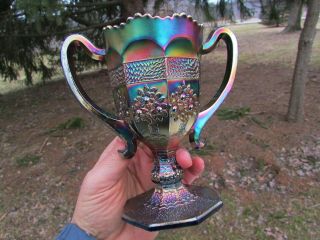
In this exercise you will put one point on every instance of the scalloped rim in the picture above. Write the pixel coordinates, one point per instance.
(147, 15)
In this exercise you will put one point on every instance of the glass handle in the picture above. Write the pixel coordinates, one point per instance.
(119, 125)
(232, 58)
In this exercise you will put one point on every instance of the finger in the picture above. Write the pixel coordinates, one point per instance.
(194, 171)
(184, 158)
(188, 178)
(197, 166)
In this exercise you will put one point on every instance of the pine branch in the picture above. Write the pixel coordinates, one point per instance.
(80, 20)
(75, 30)
(109, 3)
(87, 10)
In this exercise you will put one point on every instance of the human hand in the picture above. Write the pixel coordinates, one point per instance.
(112, 181)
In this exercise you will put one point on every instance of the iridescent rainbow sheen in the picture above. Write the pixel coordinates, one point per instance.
(154, 70)
(94, 52)
(232, 45)
(142, 50)
(119, 125)
(160, 32)
(160, 85)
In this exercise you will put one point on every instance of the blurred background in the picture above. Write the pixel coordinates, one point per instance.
(263, 144)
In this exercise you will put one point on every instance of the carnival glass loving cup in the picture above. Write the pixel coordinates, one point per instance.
(154, 72)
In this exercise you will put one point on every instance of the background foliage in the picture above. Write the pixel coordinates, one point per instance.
(31, 31)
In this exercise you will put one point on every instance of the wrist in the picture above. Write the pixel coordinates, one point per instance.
(73, 232)
(80, 224)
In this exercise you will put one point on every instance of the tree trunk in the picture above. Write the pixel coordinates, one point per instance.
(274, 15)
(263, 11)
(294, 20)
(130, 7)
(296, 106)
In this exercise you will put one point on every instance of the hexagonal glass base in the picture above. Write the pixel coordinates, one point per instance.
(171, 207)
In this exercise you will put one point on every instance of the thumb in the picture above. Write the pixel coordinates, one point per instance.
(111, 166)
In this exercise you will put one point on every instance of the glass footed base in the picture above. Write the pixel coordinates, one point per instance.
(177, 206)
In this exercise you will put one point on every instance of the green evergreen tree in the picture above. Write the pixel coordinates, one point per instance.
(30, 30)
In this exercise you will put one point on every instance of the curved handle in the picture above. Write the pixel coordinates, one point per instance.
(232, 58)
(120, 126)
